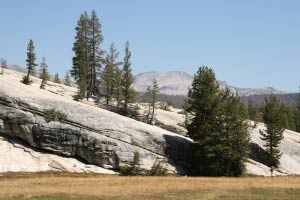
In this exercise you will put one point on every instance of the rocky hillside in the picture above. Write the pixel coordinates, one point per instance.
(90, 139)
(177, 83)
(97, 136)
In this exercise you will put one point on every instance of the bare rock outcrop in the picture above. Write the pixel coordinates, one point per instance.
(95, 135)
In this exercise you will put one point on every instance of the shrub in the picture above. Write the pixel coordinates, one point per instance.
(133, 169)
(54, 115)
(158, 169)
(25, 81)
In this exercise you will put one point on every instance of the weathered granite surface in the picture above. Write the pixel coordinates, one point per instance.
(95, 135)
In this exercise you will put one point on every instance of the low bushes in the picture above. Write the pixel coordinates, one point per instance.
(134, 169)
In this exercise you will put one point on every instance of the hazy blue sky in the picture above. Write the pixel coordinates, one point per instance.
(248, 43)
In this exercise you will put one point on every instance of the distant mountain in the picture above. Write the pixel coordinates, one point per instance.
(177, 83)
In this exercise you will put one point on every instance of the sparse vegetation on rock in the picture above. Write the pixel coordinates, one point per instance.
(54, 115)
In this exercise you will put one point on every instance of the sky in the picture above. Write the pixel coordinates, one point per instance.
(248, 43)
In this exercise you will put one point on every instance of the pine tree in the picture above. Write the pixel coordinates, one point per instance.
(3, 65)
(95, 39)
(204, 129)
(272, 117)
(57, 79)
(109, 73)
(252, 112)
(297, 113)
(288, 117)
(154, 98)
(30, 63)
(148, 100)
(81, 60)
(118, 86)
(234, 133)
(67, 81)
(44, 75)
(127, 80)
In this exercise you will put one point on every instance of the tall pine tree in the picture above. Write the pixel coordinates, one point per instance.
(235, 135)
(127, 80)
(154, 98)
(81, 60)
(272, 117)
(95, 54)
(30, 63)
(109, 73)
(204, 101)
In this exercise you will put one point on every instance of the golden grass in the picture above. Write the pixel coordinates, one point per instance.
(67, 186)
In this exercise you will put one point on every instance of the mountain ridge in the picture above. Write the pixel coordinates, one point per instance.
(178, 82)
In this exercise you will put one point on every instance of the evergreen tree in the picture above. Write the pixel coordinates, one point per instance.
(252, 112)
(154, 98)
(44, 74)
(127, 80)
(81, 60)
(204, 129)
(3, 65)
(185, 109)
(30, 63)
(118, 86)
(234, 133)
(148, 100)
(95, 39)
(57, 79)
(272, 117)
(68, 80)
(297, 113)
(109, 73)
(288, 117)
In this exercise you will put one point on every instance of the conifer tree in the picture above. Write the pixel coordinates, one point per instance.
(218, 126)
(57, 79)
(234, 133)
(272, 117)
(3, 65)
(44, 74)
(154, 98)
(297, 113)
(148, 100)
(118, 86)
(204, 129)
(95, 55)
(88, 55)
(30, 63)
(67, 81)
(81, 60)
(288, 117)
(109, 73)
(127, 80)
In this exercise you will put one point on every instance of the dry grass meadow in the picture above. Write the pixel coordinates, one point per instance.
(51, 186)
